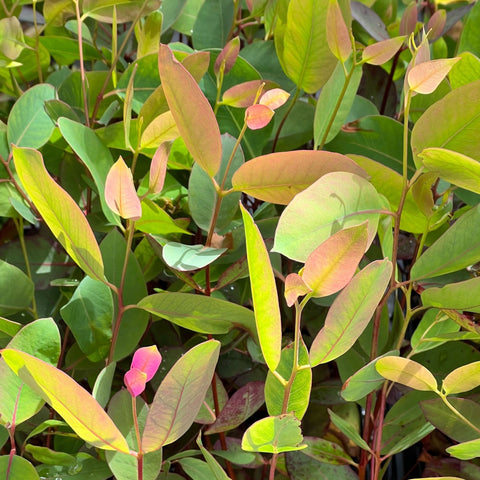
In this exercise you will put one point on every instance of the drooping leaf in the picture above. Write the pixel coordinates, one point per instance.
(453, 167)
(274, 435)
(407, 372)
(278, 177)
(198, 313)
(180, 396)
(305, 55)
(190, 257)
(350, 313)
(192, 112)
(346, 200)
(264, 293)
(334, 262)
(60, 212)
(78, 408)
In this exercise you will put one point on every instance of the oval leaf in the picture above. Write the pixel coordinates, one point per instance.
(407, 372)
(193, 114)
(189, 257)
(60, 212)
(426, 76)
(77, 407)
(258, 116)
(264, 293)
(278, 177)
(350, 312)
(180, 396)
(462, 379)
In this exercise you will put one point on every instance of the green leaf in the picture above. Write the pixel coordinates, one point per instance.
(366, 380)
(330, 115)
(189, 257)
(125, 10)
(157, 221)
(462, 379)
(11, 38)
(381, 52)
(180, 396)
(325, 451)
(264, 293)
(346, 200)
(305, 55)
(349, 430)
(60, 212)
(28, 123)
(334, 262)
(455, 250)
(298, 393)
(198, 313)
(215, 467)
(102, 388)
(453, 167)
(213, 24)
(18, 402)
(407, 372)
(278, 177)
(50, 457)
(202, 196)
(274, 435)
(455, 116)
(17, 468)
(466, 71)
(192, 112)
(350, 312)
(89, 315)
(14, 299)
(455, 296)
(77, 407)
(94, 154)
(469, 40)
(465, 451)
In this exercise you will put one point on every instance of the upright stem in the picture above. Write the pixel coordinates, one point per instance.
(139, 440)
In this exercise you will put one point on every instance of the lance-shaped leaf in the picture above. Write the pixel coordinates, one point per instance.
(158, 168)
(350, 312)
(348, 430)
(436, 24)
(466, 450)
(453, 167)
(192, 112)
(381, 52)
(333, 263)
(338, 36)
(426, 76)
(264, 293)
(60, 212)
(455, 296)
(77, 407)
(274, 435)
(278, 177)
(180, 396)
(120, 193)
(228, 56)
(462, 379)
(407, 372)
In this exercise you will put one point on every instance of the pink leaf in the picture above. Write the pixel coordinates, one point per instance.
(274, 98)
(258, 116)
(295, 287)
(426, 76)
(120, 193)
(243, 94)
(381, 52)
(228, 55)
(147, 360)
(338, 36)
(158, 168)
(135, 381)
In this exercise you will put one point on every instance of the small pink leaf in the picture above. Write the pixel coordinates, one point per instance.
(274, 98)
(228, 55)
(158, 168)
(192, 112)
(333, 263)
(243, 94)
(135, 381)
(338, 36)
(295, 287)
(381, 52)
(120, 193)
(258, 116)
(408, 23)
(147, 360)
(436, 24)
(426, 76)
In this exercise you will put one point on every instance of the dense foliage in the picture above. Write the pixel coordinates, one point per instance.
(240, 239)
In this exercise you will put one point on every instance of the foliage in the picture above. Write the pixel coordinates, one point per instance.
(240, 239)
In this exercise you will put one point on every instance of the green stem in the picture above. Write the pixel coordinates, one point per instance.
(348, 78)
(284, 119)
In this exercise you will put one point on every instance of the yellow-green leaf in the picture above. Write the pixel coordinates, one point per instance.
(381, 52)
(462, 379)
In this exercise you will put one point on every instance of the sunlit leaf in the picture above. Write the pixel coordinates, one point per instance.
(466, 450)
(295, 287)
(192, 112)
(350, 312)
(338, 36)
(407, 372)
(190, 257)
(274, 98)
(462, 379)
(264, 293)
(161, 129)
(180, 396)
(60, 212)
(125, 10)
(278, 177)
(158, 168)
(77, 407)
(381, 52)
(258, 116)
(243, 94)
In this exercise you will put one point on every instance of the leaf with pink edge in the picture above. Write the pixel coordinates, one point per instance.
(426, 76)
(258, 116)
